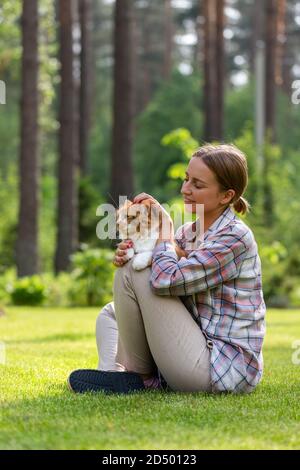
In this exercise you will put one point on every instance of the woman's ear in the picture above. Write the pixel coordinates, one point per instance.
(229, 195)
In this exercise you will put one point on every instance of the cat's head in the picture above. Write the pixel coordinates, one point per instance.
(137, 220)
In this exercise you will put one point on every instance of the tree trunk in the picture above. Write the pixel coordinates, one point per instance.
(220, 66)
(121, 165)
(86, 83)
(271, 53)
(27, 239)
(281, 41)
(168, 51)
(67, 234)
(213, 69)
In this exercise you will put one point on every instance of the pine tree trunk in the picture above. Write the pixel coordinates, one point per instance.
(67, 234)
(281, 41)
(86, 85)
(27, 239)
(271, 53)
(167, 65)
(121, 165)
(213, 69)
(220, 66)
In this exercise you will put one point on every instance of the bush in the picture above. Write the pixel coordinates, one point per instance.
(92, 277)
(58, 288)
(6, 280)
(28, 291)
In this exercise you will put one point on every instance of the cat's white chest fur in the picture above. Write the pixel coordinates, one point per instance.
(141, 253)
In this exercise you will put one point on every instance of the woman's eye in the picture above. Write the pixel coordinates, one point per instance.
(197, 187)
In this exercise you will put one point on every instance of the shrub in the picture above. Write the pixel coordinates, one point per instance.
(92, 277)
(6, 279)
(58, 288)
(28, 291)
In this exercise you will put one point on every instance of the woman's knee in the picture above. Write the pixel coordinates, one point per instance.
(107, 313)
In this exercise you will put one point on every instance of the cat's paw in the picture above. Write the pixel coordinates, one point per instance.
(141, 261)
(129, 253)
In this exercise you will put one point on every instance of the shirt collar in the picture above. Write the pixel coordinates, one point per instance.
(224, 219)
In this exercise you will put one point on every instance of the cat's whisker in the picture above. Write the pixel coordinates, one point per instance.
(112, 198)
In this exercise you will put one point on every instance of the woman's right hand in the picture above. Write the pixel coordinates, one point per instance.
(121, 251)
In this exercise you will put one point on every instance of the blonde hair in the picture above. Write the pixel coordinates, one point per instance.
(229, 164)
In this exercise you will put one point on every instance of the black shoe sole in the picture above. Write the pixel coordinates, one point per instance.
(90, 380)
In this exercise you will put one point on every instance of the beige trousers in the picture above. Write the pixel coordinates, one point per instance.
(140, 330)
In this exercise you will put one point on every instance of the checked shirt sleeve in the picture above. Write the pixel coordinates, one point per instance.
(214, 262)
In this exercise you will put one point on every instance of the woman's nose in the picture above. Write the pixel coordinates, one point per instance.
(185, 190)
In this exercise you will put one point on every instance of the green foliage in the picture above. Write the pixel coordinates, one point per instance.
(28, 291)
(182, 140)
(58, 288)
(7, 279)
(89, 200)
(92, 277)
(239, 110)
(8, 217)
(175, 105)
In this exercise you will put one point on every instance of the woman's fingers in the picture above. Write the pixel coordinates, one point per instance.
(119, 261)
(121, 252)
(142, 196)
(124, 246)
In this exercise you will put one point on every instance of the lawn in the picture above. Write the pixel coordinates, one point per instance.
(39, 412)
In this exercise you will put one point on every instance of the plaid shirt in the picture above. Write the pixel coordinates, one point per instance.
(220, 284)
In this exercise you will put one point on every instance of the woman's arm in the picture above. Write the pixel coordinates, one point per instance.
(215, 262)
(180, 252)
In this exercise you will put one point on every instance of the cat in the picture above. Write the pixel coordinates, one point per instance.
(140, 223)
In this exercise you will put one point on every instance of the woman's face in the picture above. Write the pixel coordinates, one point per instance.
(201, 187)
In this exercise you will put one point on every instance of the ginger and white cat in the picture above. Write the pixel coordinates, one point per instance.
(140, 223)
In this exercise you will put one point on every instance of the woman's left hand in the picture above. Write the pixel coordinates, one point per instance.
(166, 227)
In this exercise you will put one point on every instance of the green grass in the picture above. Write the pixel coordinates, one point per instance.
(38, 411)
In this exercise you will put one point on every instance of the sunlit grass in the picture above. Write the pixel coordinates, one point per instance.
(39, 412)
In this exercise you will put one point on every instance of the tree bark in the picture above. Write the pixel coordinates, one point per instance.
(213, 69)
(281, 41)
(168, 51)
(220, 66)
(27, 238)
(271, 53)
(121, 164)
(67, 234)
(86, 82)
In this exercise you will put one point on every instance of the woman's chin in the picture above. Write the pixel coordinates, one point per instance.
(190, 207)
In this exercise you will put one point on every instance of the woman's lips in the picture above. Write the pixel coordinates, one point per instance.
(187, 200)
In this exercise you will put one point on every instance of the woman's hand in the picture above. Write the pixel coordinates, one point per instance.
(120, 257)
(142, 196)
(180, 252)
(167, 228)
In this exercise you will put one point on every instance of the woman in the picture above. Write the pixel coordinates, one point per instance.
(197, 316)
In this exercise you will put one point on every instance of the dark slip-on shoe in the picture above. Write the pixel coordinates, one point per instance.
(92, 380)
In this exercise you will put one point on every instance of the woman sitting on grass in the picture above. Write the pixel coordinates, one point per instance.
(195, 320)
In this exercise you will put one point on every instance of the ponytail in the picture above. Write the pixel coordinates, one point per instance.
(241, 205)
